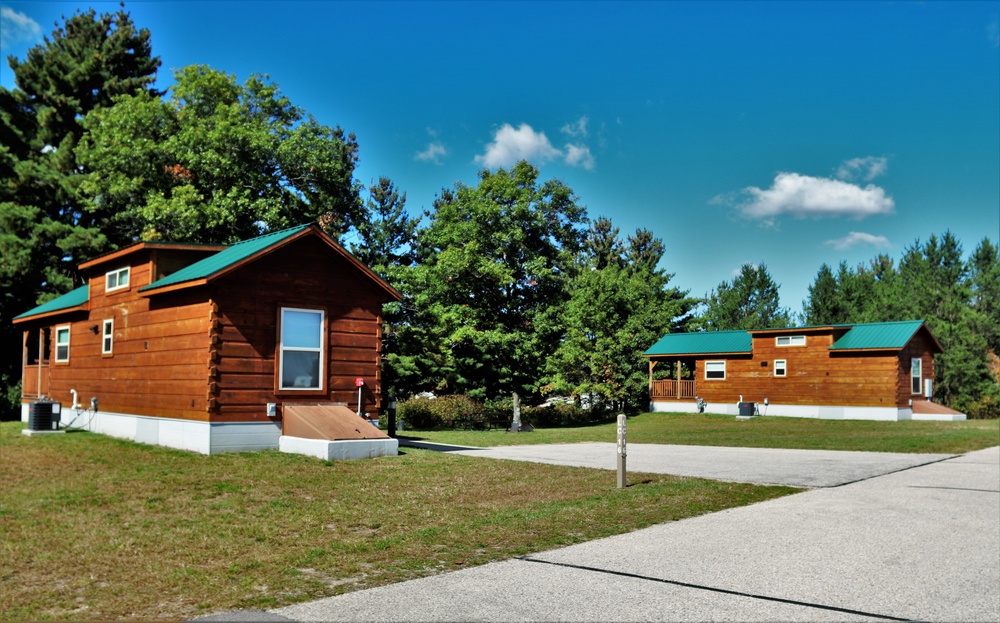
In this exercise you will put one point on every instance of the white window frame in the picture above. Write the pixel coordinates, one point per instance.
(57, 344)
(117, 275)
(715, 364)
(791, 340)
(282, 349)
(108, 337)
(781, 368)
(916, 374)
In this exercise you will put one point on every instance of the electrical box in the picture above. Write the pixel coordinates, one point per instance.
(272, 409)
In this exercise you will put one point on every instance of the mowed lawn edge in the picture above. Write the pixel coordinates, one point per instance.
(96, 528)
(758, 432)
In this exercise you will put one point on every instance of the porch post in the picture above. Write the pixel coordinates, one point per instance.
(678, 379)
(652, 364)
(41, 357)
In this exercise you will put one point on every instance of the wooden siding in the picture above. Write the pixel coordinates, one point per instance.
(814, 375)
(249, 301)
(919, 347)
(159, 360)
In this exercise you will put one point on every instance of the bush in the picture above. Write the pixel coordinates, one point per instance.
(440, 412)
(555, 415)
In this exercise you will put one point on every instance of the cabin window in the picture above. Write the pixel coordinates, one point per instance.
(780, 367)
(116, 279)
(916, 366)
(790, 340)
(301, 349)
(715, 370)
(108, 337)
(62, 344)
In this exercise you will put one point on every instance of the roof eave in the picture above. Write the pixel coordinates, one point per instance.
(311, 230)
(700, 354)
(55, 312)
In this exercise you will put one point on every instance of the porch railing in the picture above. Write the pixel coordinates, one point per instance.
(672, 389)
(35, 381)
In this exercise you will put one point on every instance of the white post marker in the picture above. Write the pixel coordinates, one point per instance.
(621, 450)
(359, 382)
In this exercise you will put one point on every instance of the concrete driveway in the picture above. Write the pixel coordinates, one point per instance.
(797, 468)
(918, 543)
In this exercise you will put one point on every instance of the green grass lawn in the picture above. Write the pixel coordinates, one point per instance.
(758, 432)
(95, 528)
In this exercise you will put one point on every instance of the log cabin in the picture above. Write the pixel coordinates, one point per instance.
(212, 348)
(873, 371)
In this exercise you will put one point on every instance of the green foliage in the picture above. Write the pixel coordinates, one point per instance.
(216, 161)
(442, 412)
(558, 415)
(749, 301)
(491, 260)
(957, 299)
(44, 232)
(387, 233)
(619, 303)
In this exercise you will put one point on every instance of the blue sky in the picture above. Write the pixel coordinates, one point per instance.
(791, 134)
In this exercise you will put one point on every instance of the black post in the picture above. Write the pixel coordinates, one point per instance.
(392, 417)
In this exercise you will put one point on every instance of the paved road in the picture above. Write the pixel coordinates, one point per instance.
(918, 544)
(797, 468)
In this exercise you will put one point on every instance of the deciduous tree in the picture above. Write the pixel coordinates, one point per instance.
(491, 260)
(216, 161)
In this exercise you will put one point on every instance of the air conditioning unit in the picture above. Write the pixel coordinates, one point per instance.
(44, 415)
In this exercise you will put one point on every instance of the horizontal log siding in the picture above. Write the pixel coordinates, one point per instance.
(918, 347)
(158, 366)
(815, 375)
(305, 275)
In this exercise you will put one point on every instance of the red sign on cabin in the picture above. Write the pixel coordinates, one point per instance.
(358, 382)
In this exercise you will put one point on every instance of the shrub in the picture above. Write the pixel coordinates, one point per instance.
(440, 412)
(555, 415)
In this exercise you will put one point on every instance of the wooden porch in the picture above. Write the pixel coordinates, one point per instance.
(672, 389)
(35, 380)
(676, 388)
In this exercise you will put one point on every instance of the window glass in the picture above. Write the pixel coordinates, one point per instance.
(116, 279)
(62, 343)
(108, 337)
(780, 367)
(301, 365)
(915, 375)
(791, 340)
(715, 369)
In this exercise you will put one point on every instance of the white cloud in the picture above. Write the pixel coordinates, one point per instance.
(867, 168)
(511, 145)
(579, 156)
(576, 128)
(857, 238)
(806, 196)
(17, 27)
(434, 153)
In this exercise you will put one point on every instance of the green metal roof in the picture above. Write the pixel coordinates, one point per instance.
(71, 299)
(224, 259)
(702, 342)
(878, 335)
(870, 336)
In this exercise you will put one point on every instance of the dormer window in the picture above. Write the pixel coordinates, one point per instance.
(116, 279)
(790, 340)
